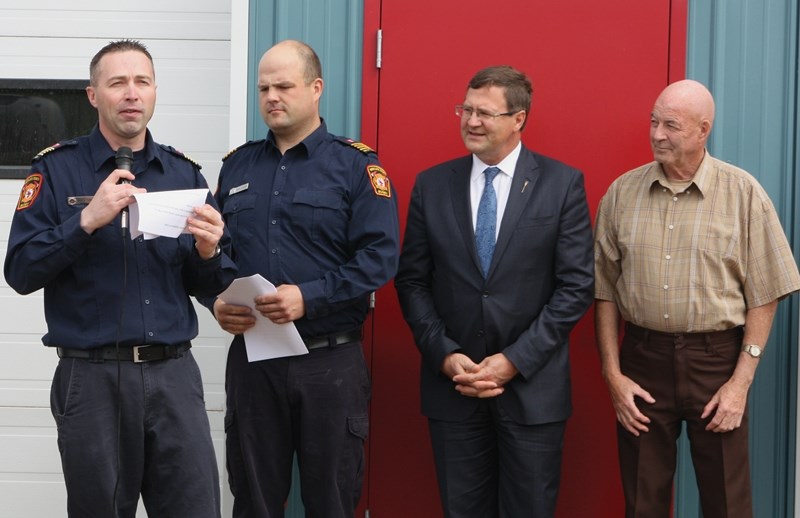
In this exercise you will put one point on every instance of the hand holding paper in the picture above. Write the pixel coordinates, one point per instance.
(164, 213)
(266, 339)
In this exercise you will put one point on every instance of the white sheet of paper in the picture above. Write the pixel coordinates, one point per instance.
(266, 339)
(163, 213)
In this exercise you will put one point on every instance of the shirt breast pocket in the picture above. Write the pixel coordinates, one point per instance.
(238, 214)
(321, 211)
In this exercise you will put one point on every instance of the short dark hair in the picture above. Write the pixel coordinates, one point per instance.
(312, 68)
(518, 88)
(116, 46)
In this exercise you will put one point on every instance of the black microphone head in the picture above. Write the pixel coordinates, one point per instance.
(124, 158)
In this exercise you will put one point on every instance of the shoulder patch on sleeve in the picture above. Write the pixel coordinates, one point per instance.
(358, 145)
(30, 191)
(181, 154)
(379, 181)
(240, 146)
(59, 145)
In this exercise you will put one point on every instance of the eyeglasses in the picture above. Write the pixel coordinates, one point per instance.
(465, 112)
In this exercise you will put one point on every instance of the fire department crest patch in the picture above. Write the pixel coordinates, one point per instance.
(30, 190)
(379, 181)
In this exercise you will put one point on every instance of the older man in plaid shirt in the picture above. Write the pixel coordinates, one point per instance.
(689, 252)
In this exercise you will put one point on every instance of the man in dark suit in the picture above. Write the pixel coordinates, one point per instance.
(496, 268)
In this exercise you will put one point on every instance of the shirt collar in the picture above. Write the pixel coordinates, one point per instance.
(506, 165)
(101, 152)
(310, 143)
(700, 180)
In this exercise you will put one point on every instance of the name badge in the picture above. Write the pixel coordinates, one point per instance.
(240, 188)
(78, 200)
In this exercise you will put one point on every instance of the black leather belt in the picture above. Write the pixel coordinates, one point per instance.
(732, 334)
(136, 353)
(332, 340)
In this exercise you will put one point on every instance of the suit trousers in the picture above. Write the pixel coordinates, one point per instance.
(313, 405)
(682, 372)
(489, 466)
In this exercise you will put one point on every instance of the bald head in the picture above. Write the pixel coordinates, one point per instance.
(680, 124)
(289, 90)
(294, 49)
(689, 97)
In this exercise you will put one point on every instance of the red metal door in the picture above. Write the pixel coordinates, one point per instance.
(597, 67)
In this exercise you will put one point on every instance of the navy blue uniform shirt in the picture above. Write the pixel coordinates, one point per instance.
(322, 216)
(82, 274)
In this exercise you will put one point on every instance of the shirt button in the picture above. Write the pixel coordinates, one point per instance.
(671, 227)
(666, 287)
(666, 315)
(674, 198)
(141, 239)
(150, 333)
(485, 294)
(667, 257)
(274, 221)
(274, 250)
(480, 333)
(283, 168)
(275, 193)
(146, 301)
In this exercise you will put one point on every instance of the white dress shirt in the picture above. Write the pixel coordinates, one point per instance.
(501, 183)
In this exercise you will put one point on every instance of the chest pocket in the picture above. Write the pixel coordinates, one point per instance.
(321, 211)
(238, 214)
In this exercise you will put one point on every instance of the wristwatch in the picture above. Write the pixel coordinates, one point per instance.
(217, 251)
(753, 350)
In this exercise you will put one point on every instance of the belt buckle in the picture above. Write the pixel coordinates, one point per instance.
(136, 357)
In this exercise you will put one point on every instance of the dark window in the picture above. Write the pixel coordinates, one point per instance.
(37, 113)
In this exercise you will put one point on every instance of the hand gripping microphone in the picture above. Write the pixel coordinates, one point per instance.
(124, 161)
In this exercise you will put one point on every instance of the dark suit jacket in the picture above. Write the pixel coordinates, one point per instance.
(540, 283)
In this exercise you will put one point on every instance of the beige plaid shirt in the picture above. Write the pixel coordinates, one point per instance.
(690, 261)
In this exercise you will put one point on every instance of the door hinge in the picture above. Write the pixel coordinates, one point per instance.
(379, 53)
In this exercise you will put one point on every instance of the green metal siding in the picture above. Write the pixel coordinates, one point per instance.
(745, 51)
(334, 29)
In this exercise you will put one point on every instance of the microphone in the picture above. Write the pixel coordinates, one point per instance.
(124, 160)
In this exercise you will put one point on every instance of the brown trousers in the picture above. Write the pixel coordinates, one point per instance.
(682, 372)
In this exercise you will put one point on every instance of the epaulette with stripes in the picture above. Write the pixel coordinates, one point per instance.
(62, 144)
(358, 145)
(180, 154)
(237, 148)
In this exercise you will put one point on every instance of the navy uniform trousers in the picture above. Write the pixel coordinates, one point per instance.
(314, 405)
(164, 443)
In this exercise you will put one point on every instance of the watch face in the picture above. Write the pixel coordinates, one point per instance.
(753, 350)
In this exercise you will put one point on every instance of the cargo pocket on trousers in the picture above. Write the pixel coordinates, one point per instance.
(358, 428)
(234, 461)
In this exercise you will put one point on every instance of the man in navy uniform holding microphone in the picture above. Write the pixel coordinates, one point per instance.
(127, 395)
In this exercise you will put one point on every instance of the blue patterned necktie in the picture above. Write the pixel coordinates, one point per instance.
(486, 225)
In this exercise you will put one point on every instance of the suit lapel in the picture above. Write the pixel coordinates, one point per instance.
(523, 185)
(460, 198)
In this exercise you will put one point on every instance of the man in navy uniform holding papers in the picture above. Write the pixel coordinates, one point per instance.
(315, 215)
